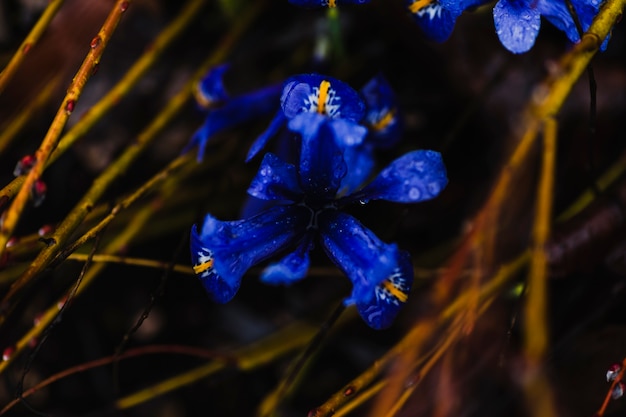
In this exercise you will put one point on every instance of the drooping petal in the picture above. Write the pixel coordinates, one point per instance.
(211, 90)
(389, 296)
(358, 252)
(272, 130)
(222, 251)
(314, 93)
(321, 162)
(381, 113)
(517, 24)
(291, 268)
(435, 20)
(415, 176)
(236, 111)
(275, 180)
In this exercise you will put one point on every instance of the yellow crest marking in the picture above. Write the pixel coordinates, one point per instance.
(321, 101)
(419, 5)
(384, 122)
(198, 269)
(331, 3)
(395, 291)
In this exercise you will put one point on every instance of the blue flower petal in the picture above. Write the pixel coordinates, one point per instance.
(517, 24)
(347, 132)
(360, 163)
(291, 268)
(236, 111)
(358, 252)
(389, 296)
(435, 20)
(275, 180)
(321, 162)
(316, 93)
(272, 130)
(381, 113)
(415, 176)
(222, 251)
(210, 90)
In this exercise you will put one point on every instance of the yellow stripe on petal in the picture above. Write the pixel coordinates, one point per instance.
(419, 5)
(395, 291)
(331, 3)
(198, 269)
(384, 121)
(323, 96)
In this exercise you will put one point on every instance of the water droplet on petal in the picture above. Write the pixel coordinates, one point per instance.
(349, 391)
(414, 193)
(124, 6)
(45, 230)
(434, 188)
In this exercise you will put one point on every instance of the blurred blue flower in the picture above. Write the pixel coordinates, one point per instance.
(517, 22)
(307, 206)
(325, 3)
(436, 18)
(224, 112)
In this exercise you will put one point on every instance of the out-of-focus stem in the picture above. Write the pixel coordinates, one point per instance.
(50, 141)
(30, 40)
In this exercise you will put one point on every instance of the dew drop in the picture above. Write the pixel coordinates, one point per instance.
(124, 6)
(61, 303)
(26, 48)
(618, 390)
(69, 106)
(12, 242)
(45, 230)
(38, 192)
(7, 353)
(24, 165)
(414, 193)
(613, 371)
(37, 319)
(434, 188)
(95, 42)
(349, 391)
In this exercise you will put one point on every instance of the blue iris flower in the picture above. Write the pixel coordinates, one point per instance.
(436, 18)
(311, 99)
(325, 3)
(517, 22)
(308, 208)
(225, 112)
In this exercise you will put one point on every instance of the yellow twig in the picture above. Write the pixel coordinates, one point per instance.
(11, 129)
(30, 40)
(246, 359)
(536, 386)
(140, 219)
(98, 44)
(183, 269)
(113, 96)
